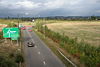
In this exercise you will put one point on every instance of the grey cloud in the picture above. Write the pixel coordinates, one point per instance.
(49, 7)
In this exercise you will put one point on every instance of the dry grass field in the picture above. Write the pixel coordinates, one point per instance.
(27, 23)
(89, 31)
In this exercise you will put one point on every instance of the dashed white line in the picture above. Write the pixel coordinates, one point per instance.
(38, 52)
(35, 46)
(44, 63)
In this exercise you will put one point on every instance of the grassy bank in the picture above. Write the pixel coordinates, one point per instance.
(53, 47)
(10, 51)
(88, 31)
(78, 49)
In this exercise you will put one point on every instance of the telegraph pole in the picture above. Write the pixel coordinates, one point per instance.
(18, 28)
(18, 20)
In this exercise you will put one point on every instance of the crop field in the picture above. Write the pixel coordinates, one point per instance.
(27, 23)
(6, 21)
(89, 31)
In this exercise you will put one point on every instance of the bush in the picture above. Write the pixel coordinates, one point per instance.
(19, 58)
(87, 54)
(1, 35)
(11, 25)
(6, 62)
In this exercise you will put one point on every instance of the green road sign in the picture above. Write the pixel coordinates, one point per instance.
(20, 25)
(11, 32)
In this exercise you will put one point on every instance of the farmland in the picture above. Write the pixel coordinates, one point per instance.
(78, 38)
(83, 30)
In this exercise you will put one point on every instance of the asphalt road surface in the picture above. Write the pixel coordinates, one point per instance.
(39, 55)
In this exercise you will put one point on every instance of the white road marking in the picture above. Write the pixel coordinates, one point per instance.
(38, 52)
(35, 46)
(44, 63)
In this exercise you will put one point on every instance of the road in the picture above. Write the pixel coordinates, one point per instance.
(39, 55)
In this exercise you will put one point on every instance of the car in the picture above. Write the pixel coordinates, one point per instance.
(30, 30)
(30, 44)
(23, 28)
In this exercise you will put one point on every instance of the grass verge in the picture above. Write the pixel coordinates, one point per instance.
(22, 51)
(53, 47)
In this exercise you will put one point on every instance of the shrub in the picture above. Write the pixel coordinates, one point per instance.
(6, 62)
(11, 25)
(1, 35)
(87, 54)
(19, 58)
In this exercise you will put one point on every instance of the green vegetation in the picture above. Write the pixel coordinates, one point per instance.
(88, 55)
(1, 35)
(53, 46)
(7, 21)
(10, 53)
(12, 25)
(93, 18)
(19, 59)
(11, 22)
(6, 62)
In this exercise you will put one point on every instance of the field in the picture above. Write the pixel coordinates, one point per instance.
(27, 23)
(89, 31)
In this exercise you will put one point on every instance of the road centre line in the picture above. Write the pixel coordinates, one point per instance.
(44, 62)
(38, 52)
(36, 47)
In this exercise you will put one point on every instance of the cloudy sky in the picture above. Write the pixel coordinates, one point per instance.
(49, 7)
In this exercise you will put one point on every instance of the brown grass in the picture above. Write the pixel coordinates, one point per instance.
(89, 31)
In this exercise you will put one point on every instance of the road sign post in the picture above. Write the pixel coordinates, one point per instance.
(14, 38)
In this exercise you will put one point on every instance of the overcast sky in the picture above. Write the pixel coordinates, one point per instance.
(49, 7)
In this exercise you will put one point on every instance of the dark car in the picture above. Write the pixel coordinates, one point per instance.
(30, 44)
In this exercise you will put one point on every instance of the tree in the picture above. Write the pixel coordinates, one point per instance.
(93, 18)
(19, 59)
(6, 62)
(1, 35)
